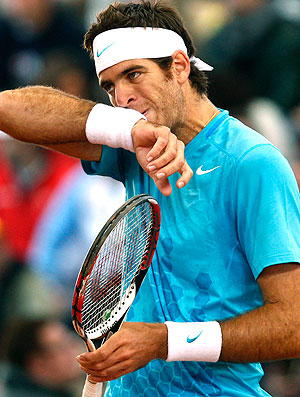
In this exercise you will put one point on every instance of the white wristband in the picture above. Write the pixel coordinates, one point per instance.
(200, 341)
(112, 126)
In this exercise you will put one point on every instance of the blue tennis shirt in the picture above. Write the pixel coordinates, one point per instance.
(239, 214)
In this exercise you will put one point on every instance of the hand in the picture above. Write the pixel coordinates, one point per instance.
(131, 348)
(160, 154)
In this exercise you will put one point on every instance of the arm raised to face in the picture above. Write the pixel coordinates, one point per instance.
(48, 117)
(51, 118)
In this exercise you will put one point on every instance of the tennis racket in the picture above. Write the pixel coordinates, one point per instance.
(112, 273)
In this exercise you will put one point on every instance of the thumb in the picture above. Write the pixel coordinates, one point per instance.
(89, 357)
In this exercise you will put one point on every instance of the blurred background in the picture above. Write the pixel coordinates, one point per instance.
(50, 211)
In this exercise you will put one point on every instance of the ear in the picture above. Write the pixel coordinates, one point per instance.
(181, 66)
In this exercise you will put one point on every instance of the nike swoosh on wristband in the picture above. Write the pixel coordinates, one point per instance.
(200, 171)
(190, 340)
(99, 53)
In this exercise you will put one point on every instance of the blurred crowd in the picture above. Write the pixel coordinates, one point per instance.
(50, 211)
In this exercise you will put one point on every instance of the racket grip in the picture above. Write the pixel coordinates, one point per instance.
(91, 389)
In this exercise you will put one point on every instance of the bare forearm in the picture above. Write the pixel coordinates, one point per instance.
(265, 334)
(81, 150)
(270, 332)
(43, 115)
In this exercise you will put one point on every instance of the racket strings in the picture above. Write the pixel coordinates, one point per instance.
(116, 282)
(116, 265)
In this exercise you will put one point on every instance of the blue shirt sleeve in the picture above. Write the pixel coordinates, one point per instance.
(109, 165)
(268, 208)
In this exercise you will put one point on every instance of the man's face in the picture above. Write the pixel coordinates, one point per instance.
(55, 364)
(140, 84)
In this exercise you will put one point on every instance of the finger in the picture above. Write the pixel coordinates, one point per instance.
(97, 356)
(99, 379)
(86, 359)
(114, 372)
(103, 356)
(162, 135)
(176, 164)
(96, 368)
(186, 176)
(163, 186)
(109, 370)
(165, 156)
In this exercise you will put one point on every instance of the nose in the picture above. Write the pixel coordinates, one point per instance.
(124, 95)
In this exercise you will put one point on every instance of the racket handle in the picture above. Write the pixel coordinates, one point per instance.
(91, 389)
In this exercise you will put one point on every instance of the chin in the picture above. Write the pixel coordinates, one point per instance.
(156, 120)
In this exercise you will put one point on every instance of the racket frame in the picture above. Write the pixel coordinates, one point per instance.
(118, 313)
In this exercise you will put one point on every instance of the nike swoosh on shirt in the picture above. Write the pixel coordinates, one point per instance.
(190, 340)
(200, 171)
(99, 53)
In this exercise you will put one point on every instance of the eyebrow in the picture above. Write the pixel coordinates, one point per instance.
(123, 73)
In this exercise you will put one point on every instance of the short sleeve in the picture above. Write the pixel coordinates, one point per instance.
(268, 208)
(109, 165)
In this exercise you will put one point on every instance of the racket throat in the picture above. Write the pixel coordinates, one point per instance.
(89, 345)
(112, 316)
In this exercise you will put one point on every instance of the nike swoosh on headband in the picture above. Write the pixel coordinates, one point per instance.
(190, 340)
(99, 53)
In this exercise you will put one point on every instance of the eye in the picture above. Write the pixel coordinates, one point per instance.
(108, 88)
(133, 75)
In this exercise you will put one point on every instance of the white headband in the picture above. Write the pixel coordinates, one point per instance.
(117, 45)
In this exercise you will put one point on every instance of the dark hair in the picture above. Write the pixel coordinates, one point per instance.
(154, 14)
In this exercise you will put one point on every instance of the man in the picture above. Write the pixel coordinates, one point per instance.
(221, 293)
(37, 359)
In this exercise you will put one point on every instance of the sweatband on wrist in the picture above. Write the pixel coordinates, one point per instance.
(112, 126)
(194, 341)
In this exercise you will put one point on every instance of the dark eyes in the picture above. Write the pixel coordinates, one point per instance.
(133, 75)
(109, 87)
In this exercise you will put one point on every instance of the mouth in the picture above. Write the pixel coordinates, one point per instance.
(145, 112)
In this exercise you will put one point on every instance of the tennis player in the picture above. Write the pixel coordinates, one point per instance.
(222, 293)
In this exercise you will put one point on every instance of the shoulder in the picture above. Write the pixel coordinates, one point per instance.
(241, 143)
